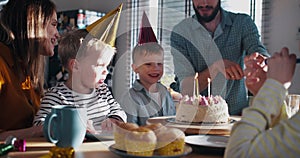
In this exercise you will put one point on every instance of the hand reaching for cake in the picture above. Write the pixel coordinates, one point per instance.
(107, 124)
(90, 127)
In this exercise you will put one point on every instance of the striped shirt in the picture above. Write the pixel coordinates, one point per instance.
(100, 103)
(194, 49)
(253, 135)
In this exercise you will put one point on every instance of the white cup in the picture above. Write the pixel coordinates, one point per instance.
(293, 103)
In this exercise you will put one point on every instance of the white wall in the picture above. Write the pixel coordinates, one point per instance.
(285, 22)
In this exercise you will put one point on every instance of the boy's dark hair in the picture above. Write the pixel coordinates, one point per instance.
(70, 44)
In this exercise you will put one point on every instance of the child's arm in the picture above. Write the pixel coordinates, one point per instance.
(107, 125)
(116, 112)
(130, 107)
(31, 132)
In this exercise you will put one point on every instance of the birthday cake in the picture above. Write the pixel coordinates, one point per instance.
(202, 109)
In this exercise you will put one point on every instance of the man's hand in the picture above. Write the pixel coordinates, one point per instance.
(231, 70)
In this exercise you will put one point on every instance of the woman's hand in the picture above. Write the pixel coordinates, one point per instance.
(282, 67)
(255, 72)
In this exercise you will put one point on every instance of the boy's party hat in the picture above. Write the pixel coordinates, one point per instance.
(146, 33)
(106, 28)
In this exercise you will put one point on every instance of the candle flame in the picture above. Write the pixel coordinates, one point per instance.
(196, 76)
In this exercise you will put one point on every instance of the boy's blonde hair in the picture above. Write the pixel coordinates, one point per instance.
(76, 44)
(146, 49)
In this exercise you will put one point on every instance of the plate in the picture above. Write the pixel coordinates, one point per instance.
(207, 140)
(173, 120)
(187, 150)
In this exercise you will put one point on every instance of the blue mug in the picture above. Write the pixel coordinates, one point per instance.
(65, 126)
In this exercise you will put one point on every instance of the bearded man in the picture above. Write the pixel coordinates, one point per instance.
(213, 43)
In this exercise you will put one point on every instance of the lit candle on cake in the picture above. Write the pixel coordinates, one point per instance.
(208, 86)
(196, 84)
(194, 89)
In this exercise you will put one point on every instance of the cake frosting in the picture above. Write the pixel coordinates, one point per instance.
(202, 109)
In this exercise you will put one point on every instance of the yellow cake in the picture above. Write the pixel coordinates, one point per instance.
(140, 142)
(170, 142)
(120, 131)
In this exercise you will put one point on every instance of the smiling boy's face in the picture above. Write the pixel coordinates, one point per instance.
(149, 67)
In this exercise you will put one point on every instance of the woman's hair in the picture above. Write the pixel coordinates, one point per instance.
(23, 28)
(76, 45)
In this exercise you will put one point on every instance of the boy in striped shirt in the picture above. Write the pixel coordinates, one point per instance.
(86, 59)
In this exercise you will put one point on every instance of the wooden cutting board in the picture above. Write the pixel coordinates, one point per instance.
(194, 128)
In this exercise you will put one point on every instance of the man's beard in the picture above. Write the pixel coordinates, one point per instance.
(209, 18)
